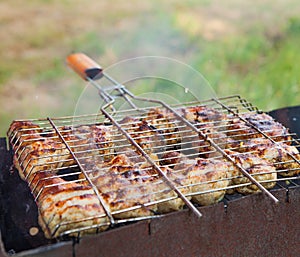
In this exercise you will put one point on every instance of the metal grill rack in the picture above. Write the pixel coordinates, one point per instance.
(141, 162)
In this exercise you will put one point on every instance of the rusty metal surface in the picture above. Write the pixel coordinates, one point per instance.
(63, 249)
(18, 211)
(250, 226)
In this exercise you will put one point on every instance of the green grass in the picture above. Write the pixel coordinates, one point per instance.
(263, 70)
(259, 60)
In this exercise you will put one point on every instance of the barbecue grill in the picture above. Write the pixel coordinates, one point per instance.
(133, 164)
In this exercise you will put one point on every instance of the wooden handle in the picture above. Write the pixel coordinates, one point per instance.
(84, 66)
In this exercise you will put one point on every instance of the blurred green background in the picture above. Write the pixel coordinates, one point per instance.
(250, 48)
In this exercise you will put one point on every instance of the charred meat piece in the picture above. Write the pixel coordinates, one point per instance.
(87, 140)
(32, 151)
(203, 114)
(40, 155)
(211, 123)
(127, 193)
(280, 154)
(171, 158)
(146, 135)
(134, 189)
(166, 123)
(262, 170)
(36, 152)
(238, 129)
(124, 186)
(207, 179)
(64, 206)
(23, 132)
(203, 147)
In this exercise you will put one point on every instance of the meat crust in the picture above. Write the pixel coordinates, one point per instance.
(66, 206)
(128, 183)
(238, 129)
(280, 154)
(260, 169)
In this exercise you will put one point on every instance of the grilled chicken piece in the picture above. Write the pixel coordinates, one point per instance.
(124, 186)
(33, 152)
(207, 179)
(166, 123)
(36, 152)
(260, 169)
(23, 132)
(131, 188)
(280, 154)
(211, 123)
(87, 140)
(145, 175)
(126, 193)
(171, 158)
(66, 206)
(203, 147)
(204, 114)
(40, 155)
(147, 136)
(238, 129)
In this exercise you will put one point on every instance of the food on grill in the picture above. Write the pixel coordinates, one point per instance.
(42, 154)
(166, 123)
(211, 123)
(203, 114)
(86, 140)
(22, 132)
(123, 185)
(171, 201)
(146, 135)
(38, 151)
(238, 129)
(206, 179)
(171, 158)
(66, 205)
(128, 181)
(203, 147)
(261, 170)
(286, 158)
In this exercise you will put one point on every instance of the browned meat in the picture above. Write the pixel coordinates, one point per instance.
(134, 189)
(66, 205)
(23, 132)
(35, 152)
(171, 158)
(280, 154)
(204, 148)
(261, 169)
(165, 121)
(168, 200)
(90, 140)
(203, 114)
(40, 155)
(238, 129)
(147, 136)
(207, 179)
(211, 123)
(124, 186)
(127, 194)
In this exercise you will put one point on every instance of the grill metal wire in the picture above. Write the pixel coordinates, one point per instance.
(77, 157)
